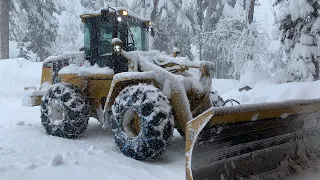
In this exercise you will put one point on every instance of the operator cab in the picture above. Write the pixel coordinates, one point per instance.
(103, 26)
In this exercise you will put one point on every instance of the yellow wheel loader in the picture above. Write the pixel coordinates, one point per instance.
(143, 95)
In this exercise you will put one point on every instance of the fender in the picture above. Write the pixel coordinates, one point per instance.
(125, 79)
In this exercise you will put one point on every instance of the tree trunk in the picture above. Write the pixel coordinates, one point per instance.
(201, 28)
(4, 29)
(251, 11)
(316, 75)
(244, 4)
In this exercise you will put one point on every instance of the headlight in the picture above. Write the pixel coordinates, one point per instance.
(125, 13)
(117, 48)
(119, 18)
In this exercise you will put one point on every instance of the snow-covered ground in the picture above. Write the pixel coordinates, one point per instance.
(26, 152)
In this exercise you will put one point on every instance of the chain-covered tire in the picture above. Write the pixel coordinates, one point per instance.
(142, 122)
(65, 111)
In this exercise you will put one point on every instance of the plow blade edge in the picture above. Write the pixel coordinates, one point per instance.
(264, 141)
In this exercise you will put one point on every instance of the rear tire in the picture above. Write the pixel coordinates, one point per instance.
(65, 111)
(148, 105)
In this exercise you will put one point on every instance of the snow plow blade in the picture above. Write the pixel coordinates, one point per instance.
(264, 141)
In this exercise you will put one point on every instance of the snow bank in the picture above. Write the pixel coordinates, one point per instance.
(276, 92)
(15, 74)
(224, 85)
(253, 75)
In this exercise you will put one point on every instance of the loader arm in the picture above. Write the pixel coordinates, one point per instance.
(188, 97)
(250, 140)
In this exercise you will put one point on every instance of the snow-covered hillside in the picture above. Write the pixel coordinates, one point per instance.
(26, 152)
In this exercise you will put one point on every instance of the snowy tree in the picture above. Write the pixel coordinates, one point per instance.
(42, 25)
(222, 30)
(299, 23)
(251, 46)
(212, 15)
(214, 11)
(143, 8)
(69, 36)
(193, 10)
(23, 53)
(99, 4)
(18, 21)
(172, 26)
(231, 37)
(18, 26)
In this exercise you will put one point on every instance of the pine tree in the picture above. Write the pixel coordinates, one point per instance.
(223, 26)
(99, 4)
(143, 8)
(42, 25)
(299, 23)
(172, 26)
(18, 21)
(23, 53)
(69, 36)
(18, 26)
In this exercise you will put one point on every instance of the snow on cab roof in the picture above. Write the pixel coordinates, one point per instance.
(111, 10)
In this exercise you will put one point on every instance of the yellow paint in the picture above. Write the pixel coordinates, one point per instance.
(263, 114)
(96, 90)
(194, 126)
(95, 86)
(136, 124)
(74, 79)
(46, 75)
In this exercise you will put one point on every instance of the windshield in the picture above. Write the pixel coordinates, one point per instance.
(135, 37)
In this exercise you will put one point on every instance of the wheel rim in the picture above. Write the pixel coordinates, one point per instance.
(131, 123)
(56, 114)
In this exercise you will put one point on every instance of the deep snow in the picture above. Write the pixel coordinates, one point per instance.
(26, 152)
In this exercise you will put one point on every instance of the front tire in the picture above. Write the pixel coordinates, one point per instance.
(142, 122)
(65, 111)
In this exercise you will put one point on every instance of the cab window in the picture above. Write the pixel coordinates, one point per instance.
(105, 38)
(87, 37)
(136, 37)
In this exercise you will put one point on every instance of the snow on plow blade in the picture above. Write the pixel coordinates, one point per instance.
(265, 141)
